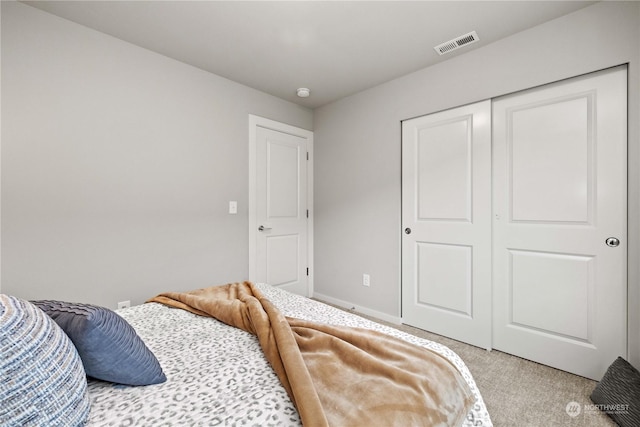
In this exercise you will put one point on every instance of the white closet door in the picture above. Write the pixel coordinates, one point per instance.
(446, 213)
(559, 162)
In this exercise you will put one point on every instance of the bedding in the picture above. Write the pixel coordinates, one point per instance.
(337, 375)
(218, 375)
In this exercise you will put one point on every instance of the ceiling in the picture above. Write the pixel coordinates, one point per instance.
(334, 48)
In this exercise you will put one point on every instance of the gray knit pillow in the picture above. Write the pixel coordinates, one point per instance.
(43, 381)
(618, 394)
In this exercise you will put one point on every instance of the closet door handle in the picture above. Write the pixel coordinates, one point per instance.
(263, 228)
(407, 230)
(612, 241)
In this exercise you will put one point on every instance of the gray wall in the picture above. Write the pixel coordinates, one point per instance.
(357, 144)
(118, 165)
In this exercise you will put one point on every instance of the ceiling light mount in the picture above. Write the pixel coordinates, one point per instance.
(303, 92)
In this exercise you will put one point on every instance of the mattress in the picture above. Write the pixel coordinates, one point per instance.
(218, 375)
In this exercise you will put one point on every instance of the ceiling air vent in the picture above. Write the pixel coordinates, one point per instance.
(456, 43)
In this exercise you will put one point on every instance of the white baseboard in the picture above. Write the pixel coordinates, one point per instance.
(358, 309)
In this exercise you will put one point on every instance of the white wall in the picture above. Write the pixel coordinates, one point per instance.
(118, 165)
(358, 166)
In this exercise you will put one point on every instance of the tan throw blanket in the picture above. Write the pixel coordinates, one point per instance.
(339, 376)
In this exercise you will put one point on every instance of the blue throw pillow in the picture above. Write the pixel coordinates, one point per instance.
(42, 382)
(110, 348)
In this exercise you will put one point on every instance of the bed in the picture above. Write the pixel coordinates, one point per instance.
(218, 375)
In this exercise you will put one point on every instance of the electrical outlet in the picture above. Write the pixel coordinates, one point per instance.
(233, 207)
(124, 304)
(366, 280)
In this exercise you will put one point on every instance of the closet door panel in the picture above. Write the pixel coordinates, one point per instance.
(568, 278)
(551, 176)
(446, 211)
(444, 281)
(444, 170)
(559, 192)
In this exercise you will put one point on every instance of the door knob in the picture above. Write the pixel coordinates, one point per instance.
(612, 241)
(263, 228)
(407, 230)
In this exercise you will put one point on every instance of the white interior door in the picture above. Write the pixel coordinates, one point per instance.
(559, 160)
(446, 214)
(280, 224)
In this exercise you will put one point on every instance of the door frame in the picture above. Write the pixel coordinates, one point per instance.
(254, 123)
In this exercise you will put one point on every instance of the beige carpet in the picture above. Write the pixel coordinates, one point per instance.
(519, 392)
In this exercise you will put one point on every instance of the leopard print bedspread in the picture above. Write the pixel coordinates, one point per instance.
(217, 374)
